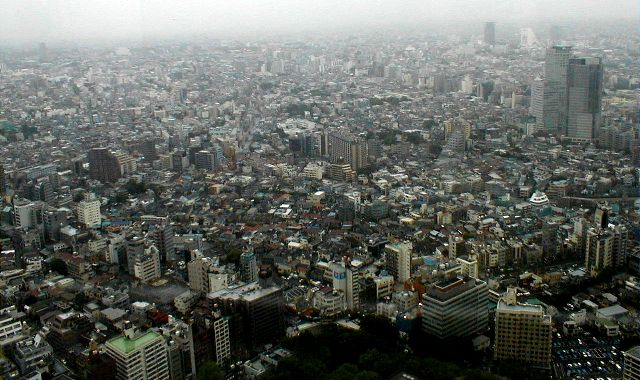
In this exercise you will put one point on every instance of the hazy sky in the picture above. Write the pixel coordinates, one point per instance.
(75, 20)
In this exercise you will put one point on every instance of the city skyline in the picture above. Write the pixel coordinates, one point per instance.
(57, 21)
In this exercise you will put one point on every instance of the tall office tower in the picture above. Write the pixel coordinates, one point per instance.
(179, 160)
(490, 33)
(204, 274)
(456, 307)
(248, 267)
(544, 105)
(605, 248)
(632, 364)
(43, 54)
(456, 142)
(27, 214)
(163, 238)
(198, 270)
(148, 150)
(523, 332)
(259, 314)
(601, 216)
(89, 211)
(584, 98)
(139, 355)
(456, 246)
(457, 124)
(555, 87)
(347, 149)
(346, 279)
(44, 190)
(180, 350)
(218, 154)
(134, 246)
(3, 181)
(54, 220)
(211, 335)
(103, 165)
(146, 266)
(398, 260)
(205, 160)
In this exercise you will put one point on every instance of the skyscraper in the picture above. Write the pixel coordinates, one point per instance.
(163, 237)
(584, 97)
(257, 314)
(555, 88)
(103, 165)
(490, 33)
(89, 211)
(139, 355)
(545, 105)
(3, 183)
(455, 307)
(398, 260)
(346, 278)
(523, 332)
(148, 150)
(248, 267)
(347, 149)
(605, 248)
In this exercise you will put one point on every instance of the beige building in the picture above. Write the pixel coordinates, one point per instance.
(398, 260)
(523, 332)
(89, 211)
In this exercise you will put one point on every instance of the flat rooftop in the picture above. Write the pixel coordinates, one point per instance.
(125, 345)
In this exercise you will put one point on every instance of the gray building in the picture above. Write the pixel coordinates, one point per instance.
(28, 353)
(632, 364)
(584, 98)
(248, 267)
(455, 307)
(490, 33)
(555, 87)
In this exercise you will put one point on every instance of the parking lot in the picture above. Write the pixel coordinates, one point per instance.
(587, 357)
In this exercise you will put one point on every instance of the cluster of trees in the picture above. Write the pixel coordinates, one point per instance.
(298, 109)
(390, 99)
(374, 352)
(134, 187)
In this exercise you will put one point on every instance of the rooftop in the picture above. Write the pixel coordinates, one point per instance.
(125, 345)
(634, 351)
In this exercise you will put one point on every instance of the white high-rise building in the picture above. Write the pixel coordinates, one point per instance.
(398, 258)
(146, 266)
(139, 356)
(555, 91)
(347, 279)
(89, 211)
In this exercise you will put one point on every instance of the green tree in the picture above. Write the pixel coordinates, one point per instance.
(233, 255)
(78, 197)
(415, 138)
(134, 187)
(121, 197)
(59, 267)
(210, 371)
